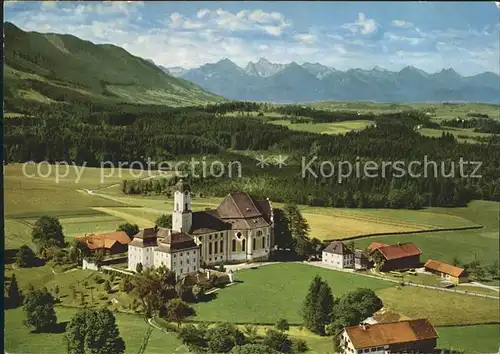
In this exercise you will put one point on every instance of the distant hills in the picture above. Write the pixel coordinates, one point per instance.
(266, 81)
(64, 68)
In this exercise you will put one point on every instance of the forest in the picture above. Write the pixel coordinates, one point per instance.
(93, 133)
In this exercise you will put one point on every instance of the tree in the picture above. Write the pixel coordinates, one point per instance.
(253, 349)
(177, 310)
(299, 346)
(130, 229)
(153, 288)
(164, 221)
(192, 336)
(223, 337)
(126, 285)
(107, 286)
(94, 332)
(14, 294)
(282, 325)
(324, 307)
(282, 234)
(198, 291)
(478, 273)
(251, 332)
(456, 262)
(278, 341)
(494, 270)
(48, 231)
(299, 229)
(318, 306)
(25, 257)
(39, 309)
(74, 336)
(308, 307)
(78, 251)
(139, 268)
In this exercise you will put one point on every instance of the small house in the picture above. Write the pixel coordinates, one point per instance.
(411, 336)
(454, 274)
(110, 243)
(338, 255)
(398, 256)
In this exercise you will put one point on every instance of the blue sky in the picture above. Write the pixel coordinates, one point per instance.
(344, 35)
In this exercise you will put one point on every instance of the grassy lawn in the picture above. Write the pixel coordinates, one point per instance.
(467, 245)
(275, 291)
(19, 339)
(471, 339)
(441, 308)
(326, 128)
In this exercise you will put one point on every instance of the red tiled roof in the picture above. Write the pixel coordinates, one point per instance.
(381, 334)
(400, 250)
(106, 240)
(444, 268)
(374, 245)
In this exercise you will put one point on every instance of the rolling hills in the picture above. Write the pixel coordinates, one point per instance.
(284, 83)
(63, 68)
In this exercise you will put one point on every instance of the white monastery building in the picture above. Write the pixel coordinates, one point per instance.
(240, 229)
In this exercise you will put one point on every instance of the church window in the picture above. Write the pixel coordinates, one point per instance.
(210, 237)
(268, 242)
(264, 242)
(210, 248)
(238, 234)
(186, 207)
(254, 246)
(243, 245)
(259, 233)
(221, 247)
(234, 246)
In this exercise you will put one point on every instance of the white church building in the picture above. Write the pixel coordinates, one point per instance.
(240, 229)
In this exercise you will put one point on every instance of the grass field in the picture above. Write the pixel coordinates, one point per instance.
(472, 339)
(441, 308)
(275, 291)
(467, 245)
(27, 198)
(133, 329)
(326, 128)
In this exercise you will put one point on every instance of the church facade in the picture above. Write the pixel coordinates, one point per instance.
(240, 229)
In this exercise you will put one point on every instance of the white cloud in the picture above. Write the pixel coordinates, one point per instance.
(395, 38)
(304, 37)
(402, 24)
(497, 3)
(363, 25)
(201, 13)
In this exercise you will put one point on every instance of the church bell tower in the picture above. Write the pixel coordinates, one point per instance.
(182, 217)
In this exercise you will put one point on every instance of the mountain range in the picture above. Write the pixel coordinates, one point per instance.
(49, 67)
(284, 83)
